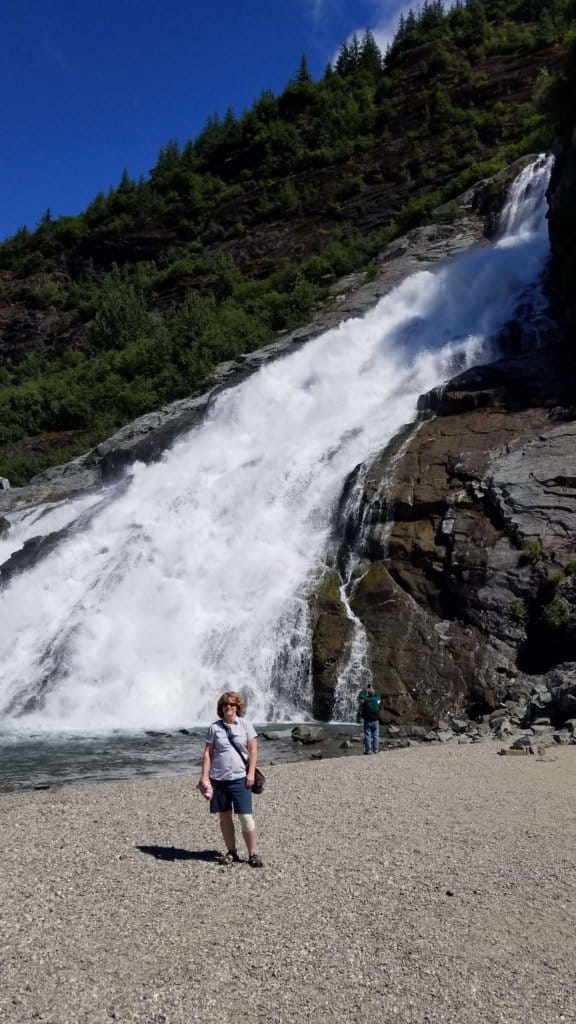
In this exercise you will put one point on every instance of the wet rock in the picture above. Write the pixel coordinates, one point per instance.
(330, 636)
(397, 744)
(32, 551)
(307, 734)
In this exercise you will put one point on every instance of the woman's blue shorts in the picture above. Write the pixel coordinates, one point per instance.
(230, 794)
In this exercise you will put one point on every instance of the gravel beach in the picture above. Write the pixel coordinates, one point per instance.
(422, 885)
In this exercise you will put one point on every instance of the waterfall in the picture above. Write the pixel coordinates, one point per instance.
(195, 576)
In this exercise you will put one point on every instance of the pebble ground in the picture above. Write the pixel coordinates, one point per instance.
(435, 884)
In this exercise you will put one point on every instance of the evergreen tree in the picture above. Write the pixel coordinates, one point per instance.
(343, 60)
(431, 15)
(477, 23)
(126, 183)
(411, 24)
(354, 51)
(303, 76)
(370, 56)
(169, 155)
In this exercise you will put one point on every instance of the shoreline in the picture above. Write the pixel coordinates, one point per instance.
(31, 762)
(426, 888)
(49, 761)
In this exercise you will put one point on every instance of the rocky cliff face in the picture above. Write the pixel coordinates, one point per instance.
(562, 221)
(466, 570)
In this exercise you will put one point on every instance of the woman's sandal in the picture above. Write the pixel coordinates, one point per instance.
(255, 861)
(230, 857)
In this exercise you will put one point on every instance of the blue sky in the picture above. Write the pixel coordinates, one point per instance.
(92, 86)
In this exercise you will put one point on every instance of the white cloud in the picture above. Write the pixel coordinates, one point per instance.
(384, 25)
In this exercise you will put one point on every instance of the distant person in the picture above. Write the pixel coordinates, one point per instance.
(227, 775)
(369, 714)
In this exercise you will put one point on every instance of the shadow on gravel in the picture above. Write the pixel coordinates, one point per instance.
(174, 853)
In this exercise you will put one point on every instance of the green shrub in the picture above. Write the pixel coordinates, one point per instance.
(531, 553)
(555, 578)
(517, 611)
(45, 297)
(288, 198)
(557, 614)
(122, 318)
(350, 185)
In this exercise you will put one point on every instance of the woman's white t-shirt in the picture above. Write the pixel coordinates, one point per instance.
(226, 762)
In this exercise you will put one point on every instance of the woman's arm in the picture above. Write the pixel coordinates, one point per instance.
(252, 747)
(206, 762)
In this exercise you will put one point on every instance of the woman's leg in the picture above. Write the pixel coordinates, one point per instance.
(242, 800)
(227, 830)
(248, 832)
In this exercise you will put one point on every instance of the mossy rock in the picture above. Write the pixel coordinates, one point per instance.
(330, 637)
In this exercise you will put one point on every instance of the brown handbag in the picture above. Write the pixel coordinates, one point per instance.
(259, 782)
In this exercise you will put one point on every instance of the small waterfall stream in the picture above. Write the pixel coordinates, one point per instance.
(356, 672)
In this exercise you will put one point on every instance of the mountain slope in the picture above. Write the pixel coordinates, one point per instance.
(239, 234)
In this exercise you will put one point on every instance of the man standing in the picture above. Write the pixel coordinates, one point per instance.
(369, 712)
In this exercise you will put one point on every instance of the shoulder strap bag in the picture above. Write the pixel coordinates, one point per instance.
(259, 777)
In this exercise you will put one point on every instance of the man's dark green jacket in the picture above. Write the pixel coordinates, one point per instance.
(369, 706)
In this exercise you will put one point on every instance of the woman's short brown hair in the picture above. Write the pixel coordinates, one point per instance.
(227, 698)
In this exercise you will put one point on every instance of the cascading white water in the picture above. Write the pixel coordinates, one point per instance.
(195, 577)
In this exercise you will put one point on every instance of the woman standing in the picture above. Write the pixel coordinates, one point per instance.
(228, 764)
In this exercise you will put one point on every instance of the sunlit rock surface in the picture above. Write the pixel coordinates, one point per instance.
(474, 584)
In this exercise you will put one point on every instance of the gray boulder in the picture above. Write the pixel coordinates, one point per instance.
(308, 734)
